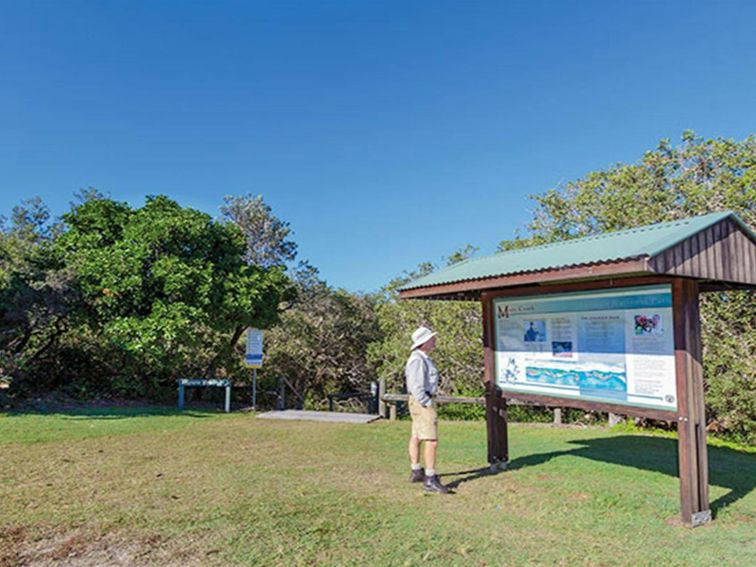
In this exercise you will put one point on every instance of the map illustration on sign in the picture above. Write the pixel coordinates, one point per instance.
(610, 346)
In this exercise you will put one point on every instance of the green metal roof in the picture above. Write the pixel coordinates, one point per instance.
(638, 242)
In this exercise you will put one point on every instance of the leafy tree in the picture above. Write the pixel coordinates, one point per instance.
(37, 293)
(668, 183)
(671, 182)
(266, 235)
(320, 341)
(320, 344)
(166, 287)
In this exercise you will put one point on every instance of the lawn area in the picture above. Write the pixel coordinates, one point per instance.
(153, 487)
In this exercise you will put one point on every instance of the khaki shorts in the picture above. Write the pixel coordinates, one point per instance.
(424, 420)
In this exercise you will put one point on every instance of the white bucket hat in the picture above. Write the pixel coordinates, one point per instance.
(421, 336)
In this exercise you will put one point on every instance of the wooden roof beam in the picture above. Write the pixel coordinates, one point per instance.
(635, 267)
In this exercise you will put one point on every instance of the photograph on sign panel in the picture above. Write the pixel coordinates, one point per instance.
(648, 324)
(535, 331)
(561, 349)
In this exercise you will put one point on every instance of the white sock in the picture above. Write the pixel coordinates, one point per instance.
(430, 472)
(416, 466)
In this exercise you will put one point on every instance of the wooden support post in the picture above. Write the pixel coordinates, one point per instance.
(496, 422)
(496, 406)
(392, 412)
(381, 393)
(691, 421)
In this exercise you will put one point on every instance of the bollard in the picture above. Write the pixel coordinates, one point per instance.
(254, 389)
(373, 403)
(381, 393)
(281, 400)
(615, 419)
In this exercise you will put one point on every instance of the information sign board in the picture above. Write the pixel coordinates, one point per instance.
(611, 346)
(254, 355)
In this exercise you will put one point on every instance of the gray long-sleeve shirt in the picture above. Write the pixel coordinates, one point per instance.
(422, 377)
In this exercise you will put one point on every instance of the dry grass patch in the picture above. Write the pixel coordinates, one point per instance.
(88, 547)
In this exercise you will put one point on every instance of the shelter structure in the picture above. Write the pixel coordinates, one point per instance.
(607, 322)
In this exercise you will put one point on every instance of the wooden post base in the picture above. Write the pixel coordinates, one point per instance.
(496, 425)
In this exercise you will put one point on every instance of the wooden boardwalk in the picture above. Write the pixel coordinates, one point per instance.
(328, 416)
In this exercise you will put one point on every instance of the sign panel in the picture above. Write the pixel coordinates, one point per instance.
(254, 355)
(612, 346)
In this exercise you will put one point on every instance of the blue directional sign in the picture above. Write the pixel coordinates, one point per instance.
(254, 354)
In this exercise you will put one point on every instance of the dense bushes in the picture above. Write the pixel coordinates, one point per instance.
(320, 344)
(117, 300)
(122, 301)
(668, 183)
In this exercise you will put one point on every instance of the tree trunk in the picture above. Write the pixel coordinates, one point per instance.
(229, 348)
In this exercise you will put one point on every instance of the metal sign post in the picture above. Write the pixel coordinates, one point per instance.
(254, 389)
(254, 358)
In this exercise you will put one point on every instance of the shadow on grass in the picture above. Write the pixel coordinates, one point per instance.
(472, 474)
(114, 413)
(728, 468)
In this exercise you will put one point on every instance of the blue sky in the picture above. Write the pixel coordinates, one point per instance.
(385, 133)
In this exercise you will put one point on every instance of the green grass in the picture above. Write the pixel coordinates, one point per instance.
(83, 423)
(145, 486)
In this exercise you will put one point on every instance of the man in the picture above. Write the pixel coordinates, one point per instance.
(422, 386)
(531, 335)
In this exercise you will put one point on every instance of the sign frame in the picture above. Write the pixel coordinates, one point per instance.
(606, 346)
(254, 353)
(689, 415)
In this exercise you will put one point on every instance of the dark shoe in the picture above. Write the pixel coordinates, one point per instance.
(432, 484)
(417, 475)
